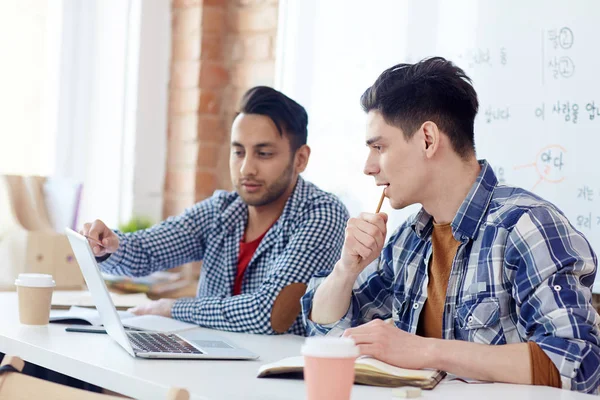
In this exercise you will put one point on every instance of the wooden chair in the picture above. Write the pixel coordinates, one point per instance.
(17, 386)
(28, 242)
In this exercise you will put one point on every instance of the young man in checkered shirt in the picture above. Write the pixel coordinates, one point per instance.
(487, 281)
(259, 245)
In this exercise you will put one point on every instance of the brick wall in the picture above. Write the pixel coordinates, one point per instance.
(220, 48)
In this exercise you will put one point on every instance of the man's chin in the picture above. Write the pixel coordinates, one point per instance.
(398, 205)
(255, 200)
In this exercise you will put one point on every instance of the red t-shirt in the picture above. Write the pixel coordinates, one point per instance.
(247, 250)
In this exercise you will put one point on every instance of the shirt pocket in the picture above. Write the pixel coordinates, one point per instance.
(478, 321)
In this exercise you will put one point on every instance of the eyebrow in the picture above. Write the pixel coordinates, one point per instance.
(373, 140)
(256, 146)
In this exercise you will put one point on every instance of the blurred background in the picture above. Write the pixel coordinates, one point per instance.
(124, 106)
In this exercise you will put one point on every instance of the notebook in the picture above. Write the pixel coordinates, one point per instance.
(368, 371)
(155, 283)
(147, 323)
(64, 299)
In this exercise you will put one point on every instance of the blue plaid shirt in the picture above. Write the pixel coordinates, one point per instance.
(521, 273)
(307, 237)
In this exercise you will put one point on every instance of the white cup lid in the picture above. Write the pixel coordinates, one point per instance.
(35, 280)
(334, 347)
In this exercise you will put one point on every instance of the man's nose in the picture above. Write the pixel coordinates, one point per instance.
(248, 167)
(371, 166)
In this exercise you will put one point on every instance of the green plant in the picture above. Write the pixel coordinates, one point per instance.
(136, 223)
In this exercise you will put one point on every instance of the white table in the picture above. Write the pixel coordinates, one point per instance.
(96, 359)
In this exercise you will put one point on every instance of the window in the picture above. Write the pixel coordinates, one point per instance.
(84, 97)
(27, 38)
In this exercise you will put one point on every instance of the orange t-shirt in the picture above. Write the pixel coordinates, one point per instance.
(543, 371)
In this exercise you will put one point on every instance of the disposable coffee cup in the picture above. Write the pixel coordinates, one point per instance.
(329, 367)
(35, 297)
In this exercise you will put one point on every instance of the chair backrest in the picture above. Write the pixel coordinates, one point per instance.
(35, 187)
(28, 242)
(17, 386)
(24, 204)
(9, 220)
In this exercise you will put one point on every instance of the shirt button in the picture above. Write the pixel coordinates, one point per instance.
(416, 305)
(557, 288)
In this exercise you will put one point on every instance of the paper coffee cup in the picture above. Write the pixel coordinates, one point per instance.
(329, 367)
(35, 297)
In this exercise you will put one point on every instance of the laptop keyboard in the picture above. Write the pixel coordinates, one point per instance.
(161, 343)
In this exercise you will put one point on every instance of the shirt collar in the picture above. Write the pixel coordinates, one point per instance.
(471, 212)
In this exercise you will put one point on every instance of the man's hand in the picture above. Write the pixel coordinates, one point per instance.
(161, 307)
(386, 342)
(98, 231)
(365, 237)
(508, 363)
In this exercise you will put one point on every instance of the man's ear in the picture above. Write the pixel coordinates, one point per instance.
(301, 158)
(431, 138)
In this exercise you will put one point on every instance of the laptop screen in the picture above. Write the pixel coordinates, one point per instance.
(93, 278)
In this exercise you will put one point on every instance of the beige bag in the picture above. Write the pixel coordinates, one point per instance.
(27, 240)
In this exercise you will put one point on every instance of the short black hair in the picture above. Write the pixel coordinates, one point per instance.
(434, 89)
(287, 115)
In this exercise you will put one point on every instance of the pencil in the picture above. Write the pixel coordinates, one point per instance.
(380, 201)
(99, 243)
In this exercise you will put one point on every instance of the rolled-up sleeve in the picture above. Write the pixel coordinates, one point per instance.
(552, 268)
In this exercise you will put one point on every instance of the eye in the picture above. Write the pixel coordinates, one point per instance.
(237, 153)
(265, 154)
(377, 148)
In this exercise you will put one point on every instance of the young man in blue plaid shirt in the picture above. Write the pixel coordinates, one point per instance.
(259, 245)
(487, 281)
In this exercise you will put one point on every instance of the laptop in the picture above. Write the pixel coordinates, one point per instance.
(192, 344)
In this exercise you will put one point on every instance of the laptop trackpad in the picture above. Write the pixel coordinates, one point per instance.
(210, 344)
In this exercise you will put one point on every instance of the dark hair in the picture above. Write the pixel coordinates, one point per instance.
(288, 116)
(434, 89)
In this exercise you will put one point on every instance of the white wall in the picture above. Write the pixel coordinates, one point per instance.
(325, 64)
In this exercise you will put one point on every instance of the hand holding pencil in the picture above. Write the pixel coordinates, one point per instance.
(365, 237)
(102, 239)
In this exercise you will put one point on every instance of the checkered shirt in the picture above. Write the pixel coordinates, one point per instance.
(521, 273)
(307, 237)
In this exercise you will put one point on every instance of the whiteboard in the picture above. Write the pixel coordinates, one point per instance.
(534, 65)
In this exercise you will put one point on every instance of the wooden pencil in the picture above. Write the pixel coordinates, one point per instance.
(380, 201)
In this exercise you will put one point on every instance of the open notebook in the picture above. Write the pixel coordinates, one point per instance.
(368, 371)
(64, 299)
(148, 323)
